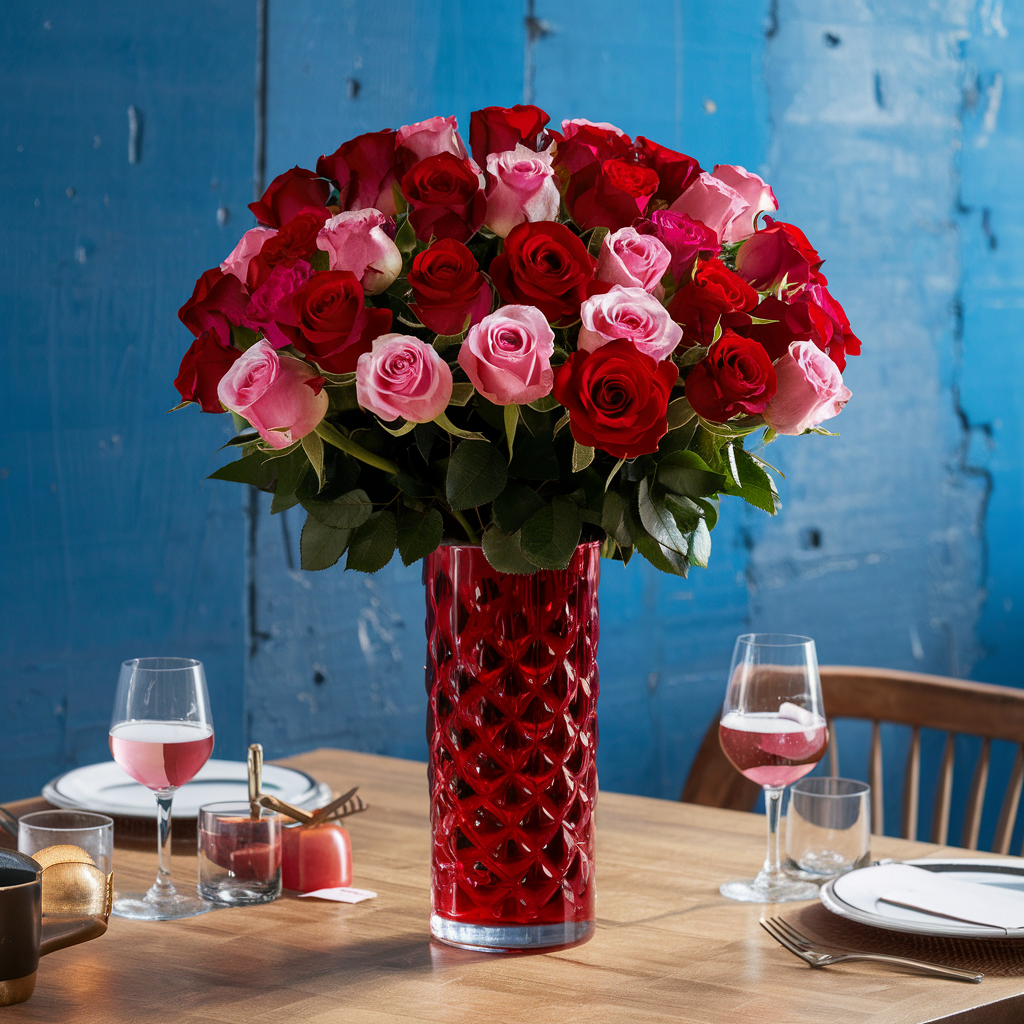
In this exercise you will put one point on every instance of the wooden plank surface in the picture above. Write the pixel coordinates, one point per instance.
(667, 948)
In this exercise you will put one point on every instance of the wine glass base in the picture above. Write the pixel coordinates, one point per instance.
(769, 890)
(146, 907)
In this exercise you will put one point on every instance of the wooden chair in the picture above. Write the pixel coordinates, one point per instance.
(953, 706)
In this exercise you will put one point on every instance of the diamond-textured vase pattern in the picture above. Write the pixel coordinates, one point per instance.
(512, 727)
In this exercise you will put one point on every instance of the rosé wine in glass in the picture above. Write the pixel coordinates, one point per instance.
(161, 755)
(769, 749)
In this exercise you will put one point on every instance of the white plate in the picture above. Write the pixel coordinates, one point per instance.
(855, 897)
(107, 788)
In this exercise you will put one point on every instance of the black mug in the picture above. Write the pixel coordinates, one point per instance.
(24, 937)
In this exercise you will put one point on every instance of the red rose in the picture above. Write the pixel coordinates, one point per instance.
(544, 265)
(676, 171)
(735, 377)
(334, 327)
(296, 240)
(611, 194)
(448, 286)
(496, 129)
(776, 253)
(700, 303)
(364, 170)
(289, 193)
(617, 398)
(218, 301)
(446, 198)
(206, 361)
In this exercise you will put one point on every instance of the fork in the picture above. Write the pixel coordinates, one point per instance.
(800, 945)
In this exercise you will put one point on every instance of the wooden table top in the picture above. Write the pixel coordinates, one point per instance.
(668, 947)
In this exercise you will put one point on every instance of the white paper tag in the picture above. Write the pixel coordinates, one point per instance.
(341, 894)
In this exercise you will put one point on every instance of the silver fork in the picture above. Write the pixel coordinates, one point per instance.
(800, 945)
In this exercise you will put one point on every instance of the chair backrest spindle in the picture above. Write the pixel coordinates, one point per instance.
(1011, 801)
(912, 785)
(875, 780)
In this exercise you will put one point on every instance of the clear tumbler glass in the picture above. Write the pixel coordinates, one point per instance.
(239, 856)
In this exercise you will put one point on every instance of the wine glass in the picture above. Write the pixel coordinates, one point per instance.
(161, 734)
(773, 730)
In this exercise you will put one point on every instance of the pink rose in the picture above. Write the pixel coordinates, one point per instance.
(508, 356)
(270, 305)
(282, 397)
(633, 260)
(415, 142)
(632, 314)
(756, 193)
(811, 390)
(403, 377)
(355, 241)
(714, 203)
(521, 187)
(249, 245)
(684, 237)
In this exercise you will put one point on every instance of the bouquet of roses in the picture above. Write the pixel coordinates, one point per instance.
(551, 336)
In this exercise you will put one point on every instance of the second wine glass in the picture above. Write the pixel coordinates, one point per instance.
(161, 734)
(773, 730)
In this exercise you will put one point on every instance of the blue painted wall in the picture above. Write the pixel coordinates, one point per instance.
(892, 132)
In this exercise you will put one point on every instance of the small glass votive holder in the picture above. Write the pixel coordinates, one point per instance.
(76, 852)
(239, 856)
(828, 827)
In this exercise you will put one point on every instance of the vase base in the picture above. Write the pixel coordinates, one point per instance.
(505, 937)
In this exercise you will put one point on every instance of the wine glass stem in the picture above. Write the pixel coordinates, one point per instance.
(773, 809)
(163, 887)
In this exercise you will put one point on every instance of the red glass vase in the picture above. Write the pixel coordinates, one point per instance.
(512, 728)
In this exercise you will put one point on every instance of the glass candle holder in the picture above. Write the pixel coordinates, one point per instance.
(239, 857)
(828, 827)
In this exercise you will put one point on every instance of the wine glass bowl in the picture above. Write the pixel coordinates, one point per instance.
(773, 731)
(161, 734)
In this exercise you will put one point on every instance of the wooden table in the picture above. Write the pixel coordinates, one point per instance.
(667, 948)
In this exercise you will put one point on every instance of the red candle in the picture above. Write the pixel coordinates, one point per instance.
(315, 857)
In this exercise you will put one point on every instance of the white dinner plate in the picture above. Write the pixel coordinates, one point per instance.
(107, 788)
(855, 897)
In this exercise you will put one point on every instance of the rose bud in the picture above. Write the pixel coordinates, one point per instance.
(521, 188)
(714, 203)
(288, 194)
(631, 314)
(735, 378)
(206, 361)
(364, 170)
(507, 356)
(447, 287)
(811, 390)
(356, 241)
(334, 326)
(633, 260)
(497, 129)
(274, 393)
(269, 311)
(248, 246)
(700, 303)
(403, 377)
(218, 301)
(446, 199)
(684, 237)
(617, 398)
(778, 252)
(756, 193)
(544, 265)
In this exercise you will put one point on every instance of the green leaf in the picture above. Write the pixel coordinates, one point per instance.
(321, 546)
(255, 469)
(246, 437)
(505, 553)
(562, 423)
(686, 513)
(687, 473)
(700, 545)
(243, 338)
(545, 404)
(692, 355)
(659, 522)
(511, 415)
(349, 511)
(313, 446)
(611, 476)
(613, 519)
(405, 237)
(718, 332)
(597, 237)
(709, 506)
(514, 506)
(476, 475)
(768, 436)
(461, 394)
(551, 534)
(657, 554)
(582, 456)
(535, 457)
(680, 412)
(290, 471)
(320, 260)
(401, 431)
(419, 533)
(446, 424)
(443, 341)
(329, 433)
(752, 483)
(373, 544)
(401, 204)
